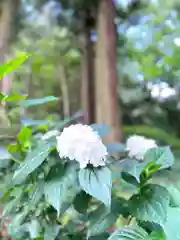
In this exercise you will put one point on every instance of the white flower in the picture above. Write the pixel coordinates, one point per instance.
(138, 146)
(81, 143)
(52, 133)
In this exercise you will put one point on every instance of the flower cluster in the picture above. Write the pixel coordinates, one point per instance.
(137, 146)
(81, 143)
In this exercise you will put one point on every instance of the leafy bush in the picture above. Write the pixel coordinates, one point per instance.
(48, 197)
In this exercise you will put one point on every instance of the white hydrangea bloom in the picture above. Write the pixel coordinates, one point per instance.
(81, 143)
(138, 146)
(52, 133)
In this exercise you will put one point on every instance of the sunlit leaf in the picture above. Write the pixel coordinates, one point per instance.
(13, 64)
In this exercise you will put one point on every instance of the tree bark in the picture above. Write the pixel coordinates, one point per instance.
(107, 107)
(87, 83)
(6, 18)
(64, 90)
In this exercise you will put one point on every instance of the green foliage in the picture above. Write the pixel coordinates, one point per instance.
(48, 197)
(129, 233)
(12, 64)
(51, 198)
(34, 102)
(97, 183)
(150, 204)
(33, 160)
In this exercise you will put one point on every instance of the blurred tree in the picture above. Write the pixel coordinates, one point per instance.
(106, 72)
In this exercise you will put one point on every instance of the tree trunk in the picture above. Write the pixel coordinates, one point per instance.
(7, 11)
(5, 29)
(107, 108)
(87, 82)
(64, 90)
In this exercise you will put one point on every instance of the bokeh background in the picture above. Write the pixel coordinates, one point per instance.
(114, 62)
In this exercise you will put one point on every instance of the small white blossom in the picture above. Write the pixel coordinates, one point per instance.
(52, 133)
(138, 146)
(81, 143)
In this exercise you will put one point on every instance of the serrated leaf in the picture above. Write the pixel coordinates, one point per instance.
(97, 182)
(161, 155)
(102, 129)
(38, 101)
(51, 232)
(150, 204)
(129, 233)
(62, 188)
(32, 161)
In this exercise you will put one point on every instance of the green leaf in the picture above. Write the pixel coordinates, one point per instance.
(33, 160)
(103, 218)
(34, 229)
(51, 232)
(62, 188)
(155, 235)
(131, 170)
(100, 220)
(101, 129)
(13, 97)
(161, 155)
(24, 135)
(171, 226)
(97, 182)
(81, 202)
(150, 204)
(33, 102)
(129, 178)
(103, 236)
(129, 233)
(15, 228)
(13, 64)
(36, 194)
(2, 95)
(175, 195)
(12, 205)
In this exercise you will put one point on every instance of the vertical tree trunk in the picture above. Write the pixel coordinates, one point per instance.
(87, 84)
(5, 29)
(107, 108)
(6, 13)
(64, 90)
